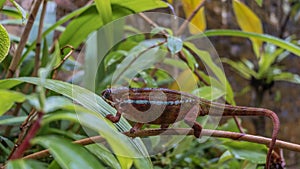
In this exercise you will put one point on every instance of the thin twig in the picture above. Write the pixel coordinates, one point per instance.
(23, 128)
(16, 59)
(181, 131)
(188, 20)
(26, 142)
(55, 69)
(38, 40)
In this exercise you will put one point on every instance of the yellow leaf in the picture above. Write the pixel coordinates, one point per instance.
(170, 1)
(198, 22)
(186, 81)
(248, 22)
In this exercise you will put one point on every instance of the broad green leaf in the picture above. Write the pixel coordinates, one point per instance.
(207, 60)
(66, 153)
(25, 164)
(104, 10)
(225, 156)
(4, 43)
(89, 20)
(209, 93)
(140, 5)
(174, 44)
(81, 27)
(104, 155)
(199, 21)
(263, 37)
(253, 152)
(95, 106)
(249, 22)
(8, 98)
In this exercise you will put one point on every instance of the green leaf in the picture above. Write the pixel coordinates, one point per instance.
(25, 164)
(8, 98)
(253, 152)
(264, 37)
(21, 11)
(104, 10)
(12, 120)
(12, 12)
(94, 106)
(81, 27)
(241, 68)
(225, 157)
(209, 93)
(139, 58)
(140, 5)
(174, 44)
(287, 76)
(259, 2)
(104, 155)
(66, 153)
(4, 43)
(2, 2)
(217, 71)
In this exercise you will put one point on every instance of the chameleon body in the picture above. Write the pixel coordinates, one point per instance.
(164, 107)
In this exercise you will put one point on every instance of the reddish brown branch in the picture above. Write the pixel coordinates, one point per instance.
(181, 131)
(26, 142)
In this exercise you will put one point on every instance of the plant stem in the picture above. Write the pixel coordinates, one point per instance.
(38, 40)
(16, 59)
(26, 142)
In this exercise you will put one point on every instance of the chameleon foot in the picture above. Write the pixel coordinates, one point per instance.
(113, 118)
(136, 127)
(197, 129)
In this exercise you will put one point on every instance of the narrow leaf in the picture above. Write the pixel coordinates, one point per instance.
(264, 37)
(104, 10)
(217, 71)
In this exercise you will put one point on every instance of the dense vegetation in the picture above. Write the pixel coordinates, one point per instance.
(53, 73)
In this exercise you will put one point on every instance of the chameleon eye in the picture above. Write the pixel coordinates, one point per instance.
(106, 94)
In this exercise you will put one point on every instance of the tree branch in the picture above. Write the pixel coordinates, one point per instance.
(182, 131)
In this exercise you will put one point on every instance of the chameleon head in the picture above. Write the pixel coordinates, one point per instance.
(107, 96)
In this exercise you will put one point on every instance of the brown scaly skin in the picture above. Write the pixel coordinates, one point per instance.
(164, 107)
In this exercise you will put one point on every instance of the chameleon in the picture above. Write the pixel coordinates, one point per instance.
(163, 107)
